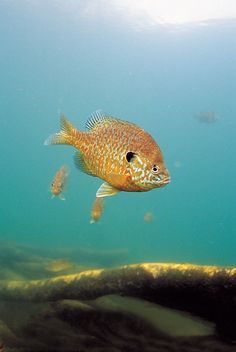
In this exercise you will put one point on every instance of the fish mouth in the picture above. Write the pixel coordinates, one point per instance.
(164, 180)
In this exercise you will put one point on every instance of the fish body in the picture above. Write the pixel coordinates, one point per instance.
(207, 116)
(59, 182)
(122, 154)
(148, 217)
(97, 209)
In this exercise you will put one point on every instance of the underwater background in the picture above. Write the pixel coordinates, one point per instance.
(79, 58)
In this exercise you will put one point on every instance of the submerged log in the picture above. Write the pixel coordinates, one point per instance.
(175, 285)
(78, 310)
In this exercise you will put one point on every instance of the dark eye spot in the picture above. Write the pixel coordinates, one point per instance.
(155, 169)
(130, 156)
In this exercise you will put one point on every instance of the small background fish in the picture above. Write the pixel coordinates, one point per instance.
(59, 182)
(207, 116)
(148, 216)
(97, 209)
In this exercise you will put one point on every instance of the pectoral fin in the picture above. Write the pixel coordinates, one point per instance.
(106, 190)
(81, 164)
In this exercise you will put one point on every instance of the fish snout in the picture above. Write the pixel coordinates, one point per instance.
(165, 181)
(165, 178)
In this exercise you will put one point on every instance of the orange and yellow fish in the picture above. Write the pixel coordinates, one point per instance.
(122, 154)
(97, 209)
(59, 182)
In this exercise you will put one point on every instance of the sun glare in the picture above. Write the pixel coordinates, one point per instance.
(178, 11)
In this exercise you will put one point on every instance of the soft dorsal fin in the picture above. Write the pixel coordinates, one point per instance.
(106, 190)
(99, 117)
(80, 163)
(64, 136)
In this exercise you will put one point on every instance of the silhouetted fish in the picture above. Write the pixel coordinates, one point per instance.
(207, 116)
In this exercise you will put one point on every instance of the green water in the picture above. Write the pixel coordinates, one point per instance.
(55, 60)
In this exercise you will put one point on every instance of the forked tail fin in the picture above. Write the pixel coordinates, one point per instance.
(66, 135)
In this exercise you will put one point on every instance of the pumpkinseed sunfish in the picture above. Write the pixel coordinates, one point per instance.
(59, 182)
(122, 154)
(97, 209)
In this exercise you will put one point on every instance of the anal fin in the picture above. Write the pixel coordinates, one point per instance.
(106, 190)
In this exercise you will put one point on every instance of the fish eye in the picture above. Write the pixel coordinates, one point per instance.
(130, 156)
(155, 169)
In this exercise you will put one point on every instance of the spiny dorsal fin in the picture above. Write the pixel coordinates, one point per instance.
(99, 117)
(106, 190)
(80, 163)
